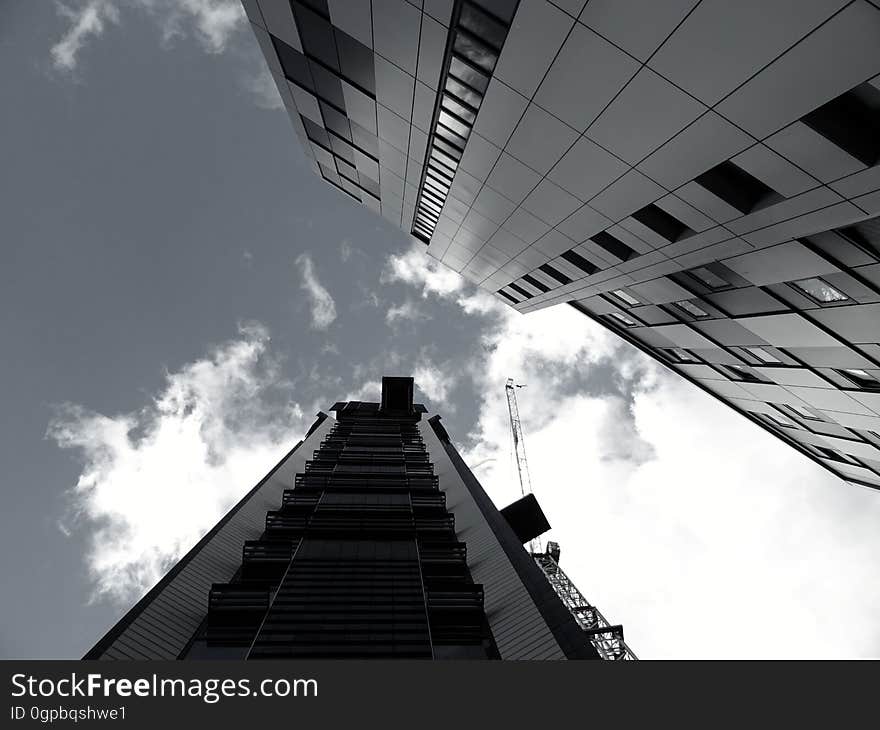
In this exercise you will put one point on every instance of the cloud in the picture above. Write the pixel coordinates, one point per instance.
(433, 278)
(370, 392)
(346, 250)
(677, 516)
(420, 270)
(154, 480)
(212, 22)
(262, 87)
(87, 21)
(323, 306)
(408, 311)
(435, 383)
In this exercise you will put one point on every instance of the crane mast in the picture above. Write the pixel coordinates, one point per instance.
(519, 449)
(606, 638)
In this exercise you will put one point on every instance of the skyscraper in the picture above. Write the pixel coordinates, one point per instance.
(370, 539)
(699, 176)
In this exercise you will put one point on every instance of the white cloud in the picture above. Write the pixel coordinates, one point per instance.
(370, 392)
(408, 311)
(322, 304)
(155, 480)
(262, 86)
(87, 21)
(434, 383)
(212, 22)
(432, 277)
(417, 268)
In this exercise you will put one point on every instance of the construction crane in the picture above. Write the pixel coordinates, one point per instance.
(606, 638)
(519, 450)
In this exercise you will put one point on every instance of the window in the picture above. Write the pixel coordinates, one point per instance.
(781, 420)
(535, 283)
(737, 188)
(865, 235)
(577, 260)
(692, 309)
(614, 246)
(521, 291)
(680, 355)
(628, 298)
(622, 318)
(832, 454)
(820, 290)
(861, 378)
(508, 296)
(478, 35)
(803, 412)
(555, 273)
(761, 354)
(709, 278)
(663, 224)
(741, 372)
(851, 121)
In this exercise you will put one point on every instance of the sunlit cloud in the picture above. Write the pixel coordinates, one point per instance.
(153, 481)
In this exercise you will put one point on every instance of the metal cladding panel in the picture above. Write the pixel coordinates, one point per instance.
(527, 619)
(516, 623)
(161, 624)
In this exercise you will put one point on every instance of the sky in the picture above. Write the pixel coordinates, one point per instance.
(180, 295)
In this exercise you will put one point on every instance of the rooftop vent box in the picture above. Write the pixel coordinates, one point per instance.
(397, 394)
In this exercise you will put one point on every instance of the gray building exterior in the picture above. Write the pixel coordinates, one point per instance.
(700, 176)
(370, 539)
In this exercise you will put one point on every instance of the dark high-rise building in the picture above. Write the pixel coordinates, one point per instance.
(700, 176)
(371, 538)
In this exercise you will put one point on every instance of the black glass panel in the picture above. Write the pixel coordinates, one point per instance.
(661, 222)
(520, 290)
(315, 132)
(450, 136)
(357, 62)
(316, 35)
(614, 246)
(453, 152)
(294, 64)
(540, 286)
(335, 122)
(577, 260)
(327, 86)
(443, 177)
(470, 75)
(441, 190)
(483, 26)
(454, 124)
(555, 273)
(475, 51)
(458, 109)
(463, 92)
(501, 9)
(438, 154)
(737, 187)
